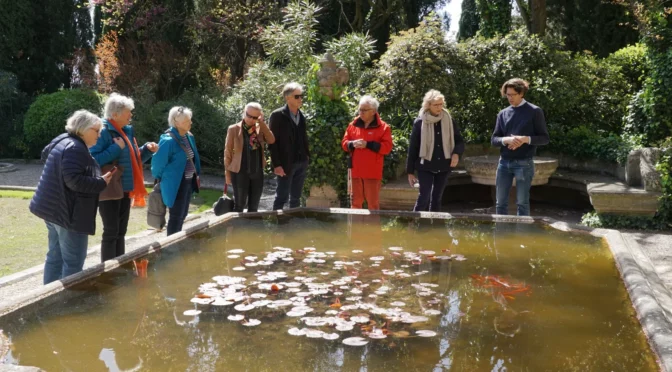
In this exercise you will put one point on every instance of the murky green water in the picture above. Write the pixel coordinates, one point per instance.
(527, 298)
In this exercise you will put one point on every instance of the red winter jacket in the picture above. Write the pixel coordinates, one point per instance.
(368, 162)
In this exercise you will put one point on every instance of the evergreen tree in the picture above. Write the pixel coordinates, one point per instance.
(469, 20)
(495, 17)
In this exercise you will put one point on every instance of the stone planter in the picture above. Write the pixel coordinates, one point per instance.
(483, 169)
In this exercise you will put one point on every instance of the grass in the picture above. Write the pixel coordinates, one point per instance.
(24, 236)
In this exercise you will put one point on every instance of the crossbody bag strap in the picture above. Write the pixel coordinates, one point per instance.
(184, 148)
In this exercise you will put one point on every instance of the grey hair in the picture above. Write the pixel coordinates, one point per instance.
(254, 105)
(289, 88)
(176, 113)
(431, 96)
(117, 103)
(369, 100)
(81, 121)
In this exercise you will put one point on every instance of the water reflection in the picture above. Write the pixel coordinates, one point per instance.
(576, 316)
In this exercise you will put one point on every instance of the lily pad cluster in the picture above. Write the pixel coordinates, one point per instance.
(323, 295)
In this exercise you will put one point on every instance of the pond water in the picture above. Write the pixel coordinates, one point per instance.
(450, 295)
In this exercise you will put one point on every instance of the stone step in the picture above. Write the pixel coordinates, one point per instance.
(619, 198)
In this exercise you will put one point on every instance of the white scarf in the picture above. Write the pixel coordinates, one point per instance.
(427, 134)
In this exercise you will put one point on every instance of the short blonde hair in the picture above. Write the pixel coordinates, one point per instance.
(431, 96)
(80, 122)
(176, 113)
(117, 103)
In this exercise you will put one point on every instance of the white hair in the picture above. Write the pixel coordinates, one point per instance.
(116, 104)
(431, 96)
(80, 122)
(290, 88)
(176, 113)
(369, 100)
(254, 105)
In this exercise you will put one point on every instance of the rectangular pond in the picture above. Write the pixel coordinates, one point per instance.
(406, 294)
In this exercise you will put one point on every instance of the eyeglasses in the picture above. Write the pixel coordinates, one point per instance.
(365, 110)
(180, 109)
(298, 96)
(508, 95)
(251, 117)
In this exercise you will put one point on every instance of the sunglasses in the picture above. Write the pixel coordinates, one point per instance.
(298, 96)
(250, 116)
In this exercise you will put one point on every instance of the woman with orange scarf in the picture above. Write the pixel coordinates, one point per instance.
(117, 145)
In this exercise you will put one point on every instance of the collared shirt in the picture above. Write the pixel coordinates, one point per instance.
(295, 117)
(521, 103)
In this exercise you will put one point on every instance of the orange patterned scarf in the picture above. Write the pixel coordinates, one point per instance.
(138, 193)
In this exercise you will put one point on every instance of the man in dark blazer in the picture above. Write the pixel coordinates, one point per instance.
(289, 153)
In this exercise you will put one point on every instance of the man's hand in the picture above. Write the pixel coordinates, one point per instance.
(514, 142)
(454, 159)
(152, 146)
(412, 180)
(279, 171)
(359, 144)
(120, 142)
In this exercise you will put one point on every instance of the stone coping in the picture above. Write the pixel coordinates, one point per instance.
(649, 296)
(483, 169)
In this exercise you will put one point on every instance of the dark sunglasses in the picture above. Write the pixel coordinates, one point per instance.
(298, 96)
(250, 116)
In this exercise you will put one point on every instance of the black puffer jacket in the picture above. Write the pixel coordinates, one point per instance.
(67, 193)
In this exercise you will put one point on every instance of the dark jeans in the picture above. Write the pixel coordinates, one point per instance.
(291, 186)
(431, 191)
(180, 208)
(247, 190)
(520, 170)
(114, 214)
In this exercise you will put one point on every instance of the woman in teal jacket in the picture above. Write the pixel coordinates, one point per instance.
(177, 166)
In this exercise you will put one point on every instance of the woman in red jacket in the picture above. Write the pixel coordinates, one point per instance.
(368, 139)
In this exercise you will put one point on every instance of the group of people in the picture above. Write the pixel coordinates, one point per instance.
(67, 195)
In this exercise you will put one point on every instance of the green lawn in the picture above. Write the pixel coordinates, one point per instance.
(24, 236)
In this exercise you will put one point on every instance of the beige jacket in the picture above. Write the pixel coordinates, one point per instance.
(233, 149)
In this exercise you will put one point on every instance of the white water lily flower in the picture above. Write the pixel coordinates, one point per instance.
(296, 332)
(288, 259)
(252, 323)
(396, 249)
(376, 281)
(425, 333)
(427, 252)
(360, 319)
(191, 312)
(398, 303)
(235, 318)
(236, 251)
(238, 268)
(243, 307)
(251, 264)
(331, 312)
(377, 258)
(251, 258)
(330, 253)
(355, 341)
(378, 335)
(357, 251)
(232, 256)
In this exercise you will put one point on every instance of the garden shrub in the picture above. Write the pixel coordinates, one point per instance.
(586, 143)
(46, 117)
(13, 105)
(632, 63)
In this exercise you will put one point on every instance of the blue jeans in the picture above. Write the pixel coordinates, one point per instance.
(522, 170)
(67, 252)
(291, 186)
(431, 191)
(180, 207)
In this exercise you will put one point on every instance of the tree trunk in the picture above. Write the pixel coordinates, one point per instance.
(538, 17)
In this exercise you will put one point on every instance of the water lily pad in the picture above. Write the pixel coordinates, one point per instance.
(252, 322)
(432, 312)
(221, 302)
(296, 332)
(344, 327)
(357, 251)
(377, 258)
(232, 256)
(396, 248)
(191, 312)
(244, 307)
(330, 336)
(236, 251)
(427, 252)
(360, 319)
(235, 318)
(201, 301)
(258, 295)
(398, 303)
(355, 341)
(238, 268)
(314, 333)
(295, 313)
(425, 333)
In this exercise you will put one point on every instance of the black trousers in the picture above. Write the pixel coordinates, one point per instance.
(247, 190)
(115, 223)
(431, 191)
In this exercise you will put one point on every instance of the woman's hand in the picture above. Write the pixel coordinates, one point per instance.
(152, 146)
(120, 142)
(454, 159)
(412, 180)
(107, 177)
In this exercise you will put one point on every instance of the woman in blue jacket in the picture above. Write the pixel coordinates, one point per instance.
(117, 145)
(67, 195)
(177, 166)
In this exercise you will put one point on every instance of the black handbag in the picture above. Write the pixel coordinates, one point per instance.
(224, 204)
